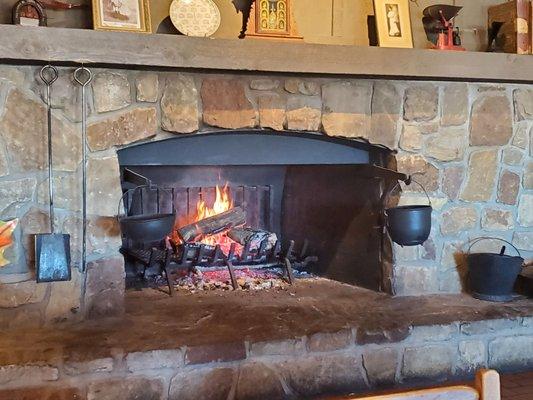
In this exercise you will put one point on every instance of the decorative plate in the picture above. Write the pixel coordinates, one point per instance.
(195, 17)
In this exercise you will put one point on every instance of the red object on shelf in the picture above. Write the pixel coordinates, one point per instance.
(445, 40)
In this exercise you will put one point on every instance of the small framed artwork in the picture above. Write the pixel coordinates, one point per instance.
(122, 15)
(393, 22)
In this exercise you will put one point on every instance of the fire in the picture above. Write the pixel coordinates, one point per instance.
(223, 202)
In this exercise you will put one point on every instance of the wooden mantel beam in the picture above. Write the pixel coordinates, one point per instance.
(37, 45)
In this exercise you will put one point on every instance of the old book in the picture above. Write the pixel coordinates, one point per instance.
(514, 35)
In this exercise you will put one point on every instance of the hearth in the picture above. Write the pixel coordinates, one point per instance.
(256, 199)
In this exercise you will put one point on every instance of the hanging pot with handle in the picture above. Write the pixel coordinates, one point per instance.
(492, 276)
(409, 225)
(143, 227)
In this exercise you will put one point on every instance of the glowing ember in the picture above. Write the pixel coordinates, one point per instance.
(247, 279)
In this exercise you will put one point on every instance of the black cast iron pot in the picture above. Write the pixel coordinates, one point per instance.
(409, 225)
(493, 276)
(147, 228)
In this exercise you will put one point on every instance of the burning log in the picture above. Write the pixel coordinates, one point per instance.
(213, 225)
(254, 237)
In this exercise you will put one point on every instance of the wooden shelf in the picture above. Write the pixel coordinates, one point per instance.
(37, 45)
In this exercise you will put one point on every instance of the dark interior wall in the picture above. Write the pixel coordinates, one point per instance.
(337, 209)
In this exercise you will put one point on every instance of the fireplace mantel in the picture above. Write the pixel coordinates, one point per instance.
(36, 45)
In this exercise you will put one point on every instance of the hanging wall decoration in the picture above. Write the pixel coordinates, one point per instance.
(195, 17)
(272, 19)
(122, 15)
(6, 239)
(29, 13)
(393, 21)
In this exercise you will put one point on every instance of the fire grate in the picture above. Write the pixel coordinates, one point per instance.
(248, 207)
(189, 256)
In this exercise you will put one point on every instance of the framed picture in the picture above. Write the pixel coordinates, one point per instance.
(393, 23)
(122, 15)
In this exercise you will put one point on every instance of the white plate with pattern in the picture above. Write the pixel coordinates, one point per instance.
(195, 17)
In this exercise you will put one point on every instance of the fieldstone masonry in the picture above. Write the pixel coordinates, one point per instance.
(469, 145)
(304, 367)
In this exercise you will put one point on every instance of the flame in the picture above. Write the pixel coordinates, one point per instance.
(223, 202)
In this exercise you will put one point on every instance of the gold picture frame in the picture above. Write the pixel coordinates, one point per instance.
(393, 22)
(122, 15)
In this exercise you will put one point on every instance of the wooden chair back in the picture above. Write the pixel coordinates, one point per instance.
(486, 387)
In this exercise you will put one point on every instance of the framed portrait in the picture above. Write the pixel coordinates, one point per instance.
(393, 22)
(122, 15)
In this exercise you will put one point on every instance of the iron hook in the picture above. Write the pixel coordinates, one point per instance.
(48, 74)
(83, 76)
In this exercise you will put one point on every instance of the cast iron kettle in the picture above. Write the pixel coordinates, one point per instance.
(409, 225)
(145, 227)
(492, 276)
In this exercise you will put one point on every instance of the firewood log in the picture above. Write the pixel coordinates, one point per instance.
(213, 225)
(244, 236)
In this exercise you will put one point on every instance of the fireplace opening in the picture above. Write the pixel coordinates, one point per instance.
(294, 203)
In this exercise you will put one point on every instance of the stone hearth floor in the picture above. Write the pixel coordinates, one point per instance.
(341, 337)
(154, 321)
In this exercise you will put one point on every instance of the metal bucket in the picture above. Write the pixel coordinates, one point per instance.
(492, 276)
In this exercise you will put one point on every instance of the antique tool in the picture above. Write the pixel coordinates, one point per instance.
(52, 251)
(83, 77)
(440, 29)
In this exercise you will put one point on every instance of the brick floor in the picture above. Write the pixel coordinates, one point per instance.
(517, 386)
(513, 387)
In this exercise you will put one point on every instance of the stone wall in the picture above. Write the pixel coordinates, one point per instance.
(315, 365)
(468, 144)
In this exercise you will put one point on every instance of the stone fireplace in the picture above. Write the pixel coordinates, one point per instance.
(322, 193)
(468, 144)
